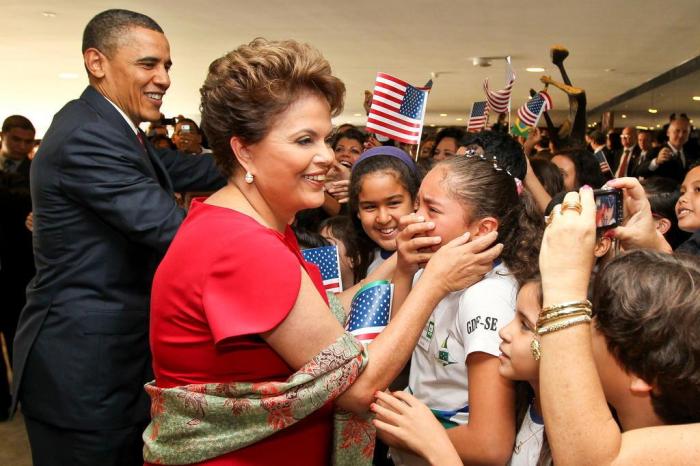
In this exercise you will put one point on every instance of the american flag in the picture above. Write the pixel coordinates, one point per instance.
(531, 111)
(397, 109)
(370, 311)
(326, 259)
(477, 118)
(499, 101)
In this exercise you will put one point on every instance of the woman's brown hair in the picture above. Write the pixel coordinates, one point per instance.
(249, 87)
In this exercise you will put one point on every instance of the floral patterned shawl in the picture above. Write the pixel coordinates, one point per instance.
(197, 422)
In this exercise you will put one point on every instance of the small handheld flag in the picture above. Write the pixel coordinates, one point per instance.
(519, 128)
(531, 111)
(478, 115)
(326, 259)
(499, 101)
(370, 310)
(397, 110)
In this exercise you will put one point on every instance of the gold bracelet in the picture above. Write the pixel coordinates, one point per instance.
(557, 307)
(563, 323)
(547, 323)
(572, 310)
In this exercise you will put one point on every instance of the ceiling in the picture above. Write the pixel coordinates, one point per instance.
(614, 47)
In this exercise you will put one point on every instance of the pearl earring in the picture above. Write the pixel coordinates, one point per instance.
(249, 178)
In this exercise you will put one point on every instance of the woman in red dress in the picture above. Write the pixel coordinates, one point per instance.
(233, 302)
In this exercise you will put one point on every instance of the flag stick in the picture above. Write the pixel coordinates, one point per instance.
(422, 119)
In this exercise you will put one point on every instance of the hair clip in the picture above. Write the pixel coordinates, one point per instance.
(470, 153)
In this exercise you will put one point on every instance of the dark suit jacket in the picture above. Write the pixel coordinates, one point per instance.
(104, 215)
(631, 165)
(672, 169)
(16, 258)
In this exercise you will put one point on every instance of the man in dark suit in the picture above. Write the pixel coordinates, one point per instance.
(104, 215)
(673, 159)
(16, 258)
(627, 159)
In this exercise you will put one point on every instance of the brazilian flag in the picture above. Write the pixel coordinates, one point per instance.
(519, 128)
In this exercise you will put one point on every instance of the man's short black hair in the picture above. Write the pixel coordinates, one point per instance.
(598, 137)
(103, 31)
(17, 121)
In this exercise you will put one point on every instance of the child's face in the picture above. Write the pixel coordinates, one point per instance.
(688, 205)
(517, 361)
(381, 203)
(436, 205)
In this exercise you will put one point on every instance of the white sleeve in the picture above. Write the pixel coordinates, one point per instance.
(484, 309)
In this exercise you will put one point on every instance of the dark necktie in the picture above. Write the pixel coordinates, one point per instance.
(622, 170)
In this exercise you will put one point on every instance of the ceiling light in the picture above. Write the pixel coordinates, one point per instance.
(624, 116)
(481, 61)
(535, 69)
(641, 127)
(443, 114)
(658, 126)
(652, 110)
(356, 114)
(67, 76)
(48, 14)
(696, 97)
(459, 119)
(432, 126)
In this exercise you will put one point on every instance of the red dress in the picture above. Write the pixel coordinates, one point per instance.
(224, 280)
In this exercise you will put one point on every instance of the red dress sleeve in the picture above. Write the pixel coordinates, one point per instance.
(251, 286)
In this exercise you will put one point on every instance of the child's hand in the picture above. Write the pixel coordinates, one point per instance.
(404, 422)
(339, 190)
(414, 246)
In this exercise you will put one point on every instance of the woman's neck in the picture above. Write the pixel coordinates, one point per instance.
(246, 199)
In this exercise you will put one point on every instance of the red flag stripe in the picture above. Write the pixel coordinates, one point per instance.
(391, 126)
(389, 77)
(372, 128)
(389, 97)
(392, 116)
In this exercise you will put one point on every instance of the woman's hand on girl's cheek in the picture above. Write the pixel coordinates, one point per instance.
(413, 243)
(461, 263)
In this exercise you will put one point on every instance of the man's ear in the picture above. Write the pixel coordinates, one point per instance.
(639, 386)
(240, 151)
(94, 63)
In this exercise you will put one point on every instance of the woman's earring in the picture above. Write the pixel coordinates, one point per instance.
(535, 349)
(249, 178)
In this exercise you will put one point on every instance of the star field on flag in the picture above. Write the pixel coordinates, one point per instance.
(326, 259)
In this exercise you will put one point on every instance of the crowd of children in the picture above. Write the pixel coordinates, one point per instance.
(476, 392)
